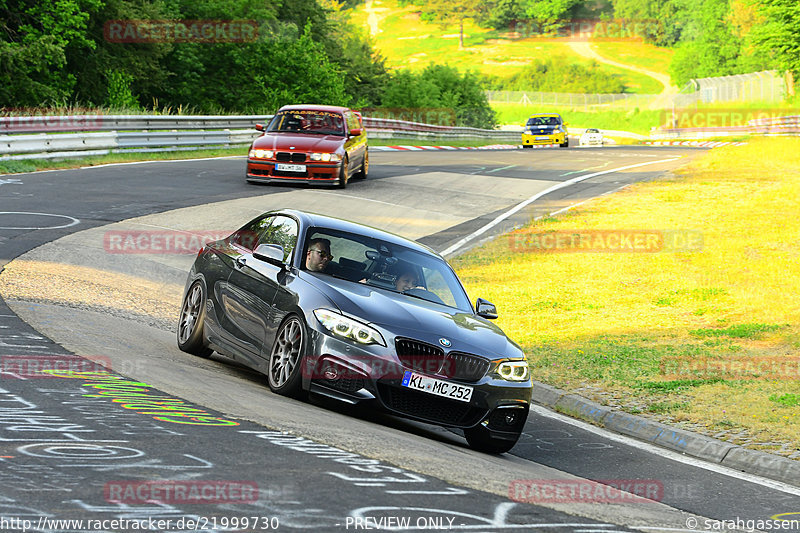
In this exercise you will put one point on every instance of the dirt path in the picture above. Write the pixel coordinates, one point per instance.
(584, 49)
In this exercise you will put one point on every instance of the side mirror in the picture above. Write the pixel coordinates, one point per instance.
(271, 253)
(485, 309)
(355, 132)
(259, 127)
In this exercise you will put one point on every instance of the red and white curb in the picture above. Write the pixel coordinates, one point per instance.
(705, 144)
(407, 148)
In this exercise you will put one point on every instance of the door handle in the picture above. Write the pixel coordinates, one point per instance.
(240, 262)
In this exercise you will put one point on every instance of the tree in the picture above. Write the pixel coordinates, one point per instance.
(779, 33)
(34, 39)
(450, 12)
(442, 91)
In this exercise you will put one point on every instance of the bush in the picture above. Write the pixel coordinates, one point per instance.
(557, 75)
(442, 87)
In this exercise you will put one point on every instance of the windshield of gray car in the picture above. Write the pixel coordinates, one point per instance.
(309, 121)
(390, 267)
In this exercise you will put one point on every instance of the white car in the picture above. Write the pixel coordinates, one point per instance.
(591, 136)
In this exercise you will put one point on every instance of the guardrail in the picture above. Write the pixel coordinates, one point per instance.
(49, 137)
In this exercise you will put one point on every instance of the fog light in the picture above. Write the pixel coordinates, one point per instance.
(511, 419)
(330, 373)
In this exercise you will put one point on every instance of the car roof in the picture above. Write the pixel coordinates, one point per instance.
(308, 219)
(545, 115)
(314, 107)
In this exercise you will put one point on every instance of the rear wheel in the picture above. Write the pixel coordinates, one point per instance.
(286, 358)
(190, 324)
(479, 438)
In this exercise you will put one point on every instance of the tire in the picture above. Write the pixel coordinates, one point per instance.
(362, 174)
(343, 177)
(527, 146)
(190, 323)
(480, 439)
(565, 144)
(284, 371)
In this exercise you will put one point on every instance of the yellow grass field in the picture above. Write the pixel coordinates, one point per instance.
(708, 338)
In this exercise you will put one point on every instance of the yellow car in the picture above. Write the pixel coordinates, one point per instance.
(545, 128)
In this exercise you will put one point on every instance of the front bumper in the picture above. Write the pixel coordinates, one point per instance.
(261, 171)
(359, 375)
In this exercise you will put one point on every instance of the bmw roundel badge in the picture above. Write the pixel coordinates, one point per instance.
(444, 342)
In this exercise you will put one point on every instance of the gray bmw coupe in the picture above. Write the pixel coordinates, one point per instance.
(325, 306)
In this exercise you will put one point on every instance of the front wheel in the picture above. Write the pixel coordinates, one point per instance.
(479, 438)
(190, 324)
(284, 374)
(343, 174)
(362, 173)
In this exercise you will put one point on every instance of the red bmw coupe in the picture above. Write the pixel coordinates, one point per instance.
(310, 144)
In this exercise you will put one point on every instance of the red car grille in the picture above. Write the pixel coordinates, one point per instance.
(293, 157)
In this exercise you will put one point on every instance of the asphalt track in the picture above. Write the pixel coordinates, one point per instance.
(319, 467)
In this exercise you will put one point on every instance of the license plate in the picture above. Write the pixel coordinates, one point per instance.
(543, 138)
(435, 386)
(290, 168)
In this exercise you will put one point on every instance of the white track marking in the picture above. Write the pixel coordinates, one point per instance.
(453, 248)
(669, 454)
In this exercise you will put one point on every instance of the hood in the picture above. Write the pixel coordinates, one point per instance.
(400, 315)
(302, 142)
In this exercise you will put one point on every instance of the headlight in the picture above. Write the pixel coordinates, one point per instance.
(513, 370)
(261, 154)
(325, 157)
(347, 328)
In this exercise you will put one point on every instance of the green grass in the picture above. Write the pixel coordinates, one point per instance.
(632, 120)
(786, 400)
(405, 41)
(32, 165)
(742, 331)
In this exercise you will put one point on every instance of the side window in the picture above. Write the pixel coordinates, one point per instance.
(352, 121)
(247, 237)
(282, 231)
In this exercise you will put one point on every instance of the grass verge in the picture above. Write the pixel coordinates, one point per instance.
(633, 120)
(708, 338)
